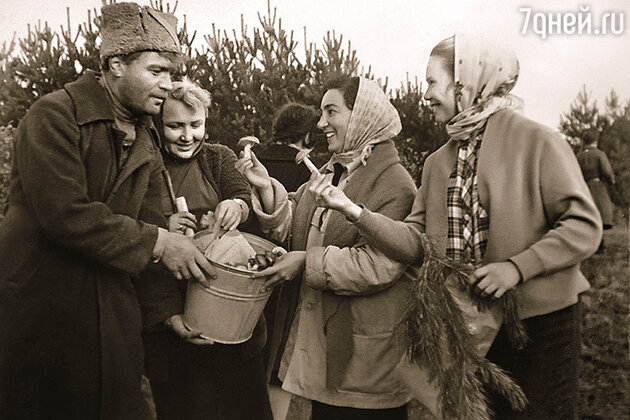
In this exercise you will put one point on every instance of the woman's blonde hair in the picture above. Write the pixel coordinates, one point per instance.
(191, 94)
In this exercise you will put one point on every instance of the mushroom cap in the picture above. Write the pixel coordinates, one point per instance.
(299, 158)
(251, 140)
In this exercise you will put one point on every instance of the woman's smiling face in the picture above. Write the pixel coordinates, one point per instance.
(440, 89)
(184, 127)
(334, 120)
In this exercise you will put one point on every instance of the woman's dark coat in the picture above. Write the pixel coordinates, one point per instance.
(76, 231)
(279, 159)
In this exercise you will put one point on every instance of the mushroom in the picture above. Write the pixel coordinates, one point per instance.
(246, 143)
(180, 203)
(302, 156)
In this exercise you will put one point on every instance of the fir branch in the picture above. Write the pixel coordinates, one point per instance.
(517, 333)
(498, 379)
(439, 341)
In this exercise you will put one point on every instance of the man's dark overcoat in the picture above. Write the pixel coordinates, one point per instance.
(80, 225)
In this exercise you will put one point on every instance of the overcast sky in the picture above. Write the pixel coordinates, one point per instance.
(396, 36)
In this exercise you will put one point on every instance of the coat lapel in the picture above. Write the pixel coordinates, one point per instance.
(142, 152)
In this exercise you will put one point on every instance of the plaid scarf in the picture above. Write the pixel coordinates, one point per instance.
(485, 73)
(467, 219)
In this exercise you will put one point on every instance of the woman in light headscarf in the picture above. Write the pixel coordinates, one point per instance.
(505, 195)
(341, 351)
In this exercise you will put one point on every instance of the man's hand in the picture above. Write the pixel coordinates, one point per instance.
(495, 278)
(176, 324)
(184, 260)
(287, 267)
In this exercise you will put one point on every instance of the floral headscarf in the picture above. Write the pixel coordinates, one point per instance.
(485, 73)
(373, 120)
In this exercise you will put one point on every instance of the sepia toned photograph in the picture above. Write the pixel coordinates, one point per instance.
(293, 210)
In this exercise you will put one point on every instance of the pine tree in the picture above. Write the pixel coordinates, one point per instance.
(47, 60)
(613, 106)
(6, 142)
(581, 117)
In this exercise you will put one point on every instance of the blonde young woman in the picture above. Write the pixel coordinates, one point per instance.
(341, 349)
(191, 377)
(504, 193)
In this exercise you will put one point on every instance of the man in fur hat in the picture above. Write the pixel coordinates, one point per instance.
(82, 222)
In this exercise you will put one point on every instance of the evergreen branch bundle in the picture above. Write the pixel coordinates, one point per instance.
(439, 340)
(517, 334)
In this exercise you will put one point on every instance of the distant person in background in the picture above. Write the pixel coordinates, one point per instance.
(596, 168)
(292, 129)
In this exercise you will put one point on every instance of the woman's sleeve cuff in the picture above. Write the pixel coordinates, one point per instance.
(528, 263)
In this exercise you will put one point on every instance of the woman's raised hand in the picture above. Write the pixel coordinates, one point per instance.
(327, 195)
(254, 171)
(180, 221)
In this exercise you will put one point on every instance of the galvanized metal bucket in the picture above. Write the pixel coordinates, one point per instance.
(226, 309)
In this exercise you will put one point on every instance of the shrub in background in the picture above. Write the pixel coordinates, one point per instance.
(250, 74)
(613, 123)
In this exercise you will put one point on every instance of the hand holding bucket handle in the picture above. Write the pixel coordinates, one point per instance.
(181, 221)
(287, 267)
(184, 260)
(176, 323)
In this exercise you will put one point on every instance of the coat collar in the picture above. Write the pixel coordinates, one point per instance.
(92, 104)
(383, 156)
(359, 188)
(278, 152)
(91, 98)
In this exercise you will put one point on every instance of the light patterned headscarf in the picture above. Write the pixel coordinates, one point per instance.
(373, 120)
(485, 73)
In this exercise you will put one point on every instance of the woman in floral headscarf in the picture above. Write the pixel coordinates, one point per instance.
(505, 195)
(341, 351)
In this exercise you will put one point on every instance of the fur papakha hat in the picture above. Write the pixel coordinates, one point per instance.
(127, 28)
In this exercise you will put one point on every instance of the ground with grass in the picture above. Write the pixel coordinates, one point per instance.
(604, 384)
(604, 375)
